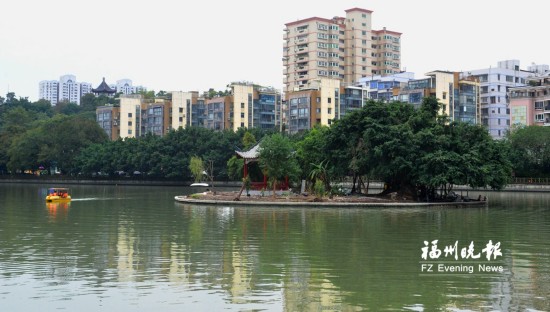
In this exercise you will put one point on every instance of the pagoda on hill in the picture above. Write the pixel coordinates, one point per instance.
(104, 89)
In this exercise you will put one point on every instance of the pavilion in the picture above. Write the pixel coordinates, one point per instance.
(104, 89)
(251, 156)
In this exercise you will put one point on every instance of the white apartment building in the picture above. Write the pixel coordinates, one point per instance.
(66, 89)
(48, 90)
(344, 48)
(125, 86)
(494, 84)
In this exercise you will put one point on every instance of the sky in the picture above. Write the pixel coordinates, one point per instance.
(175, 45)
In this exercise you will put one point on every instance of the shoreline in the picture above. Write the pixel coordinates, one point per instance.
(143, 182)
(344, 202)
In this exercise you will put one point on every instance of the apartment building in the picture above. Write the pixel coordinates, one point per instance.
(530, 104)
(218, 117)
(323, 101)
(65, 89)
(182, 102)
(248, 106)
(139, 116)
(198, 112)
(495, 82)
(125, 86)
(344, 48)
(48, 90)
(385, 88)
(459, 96)
(108, 118)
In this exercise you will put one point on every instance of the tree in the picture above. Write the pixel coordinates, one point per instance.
(55, 141)
(277, 159)
(67, 108)
(162, 93)
(248, 140)
(415, 152)
(147, 94)
(311, 149)
(530, 151)
(319, 172)
(197, 168)
(13, 123)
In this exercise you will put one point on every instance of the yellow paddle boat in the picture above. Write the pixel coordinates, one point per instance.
(58, 194)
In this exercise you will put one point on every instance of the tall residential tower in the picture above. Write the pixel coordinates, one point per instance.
(344, 48)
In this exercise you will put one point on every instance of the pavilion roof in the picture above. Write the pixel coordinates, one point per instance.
(251, 154)
(103, 88)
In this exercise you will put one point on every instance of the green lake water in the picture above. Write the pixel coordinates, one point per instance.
(133, 248)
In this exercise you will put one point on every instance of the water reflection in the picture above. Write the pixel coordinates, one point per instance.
(139, 248)
(58, 212)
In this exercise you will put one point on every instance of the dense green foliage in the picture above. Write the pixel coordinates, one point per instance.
(415, 152)
(35, 134)
(277, 158)
(530, 151)
(54, 143)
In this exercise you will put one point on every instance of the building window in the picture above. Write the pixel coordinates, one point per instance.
(329, 100)
(242, 115)
(181, 109)
(129, 123)
(242, 105)
(129, 115)
(329, 110)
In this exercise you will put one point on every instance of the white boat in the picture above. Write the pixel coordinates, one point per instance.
(199, 184)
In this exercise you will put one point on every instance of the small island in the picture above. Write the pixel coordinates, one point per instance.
(417, 154)
(286, 198)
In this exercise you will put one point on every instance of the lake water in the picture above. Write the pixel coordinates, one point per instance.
(130, 248)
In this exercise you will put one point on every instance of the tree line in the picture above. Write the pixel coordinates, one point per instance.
(414, 151)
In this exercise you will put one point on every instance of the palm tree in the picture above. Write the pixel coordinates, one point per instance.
(320, 172)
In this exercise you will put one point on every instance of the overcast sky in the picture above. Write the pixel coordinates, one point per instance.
(195, 45)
